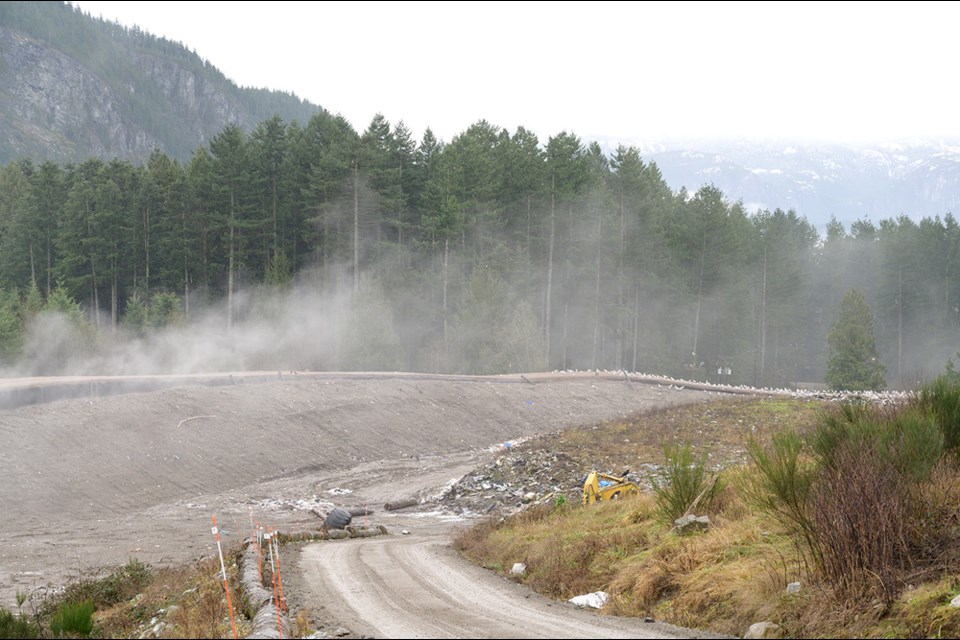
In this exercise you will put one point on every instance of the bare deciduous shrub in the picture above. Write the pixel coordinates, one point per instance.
(862, 511)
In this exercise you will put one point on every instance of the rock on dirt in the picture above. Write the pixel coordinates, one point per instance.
(690, 523)
(764, 629)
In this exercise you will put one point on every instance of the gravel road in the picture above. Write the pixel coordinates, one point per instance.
(416, 586)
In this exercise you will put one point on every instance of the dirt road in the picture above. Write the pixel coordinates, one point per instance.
(415, 586)
(95, 481)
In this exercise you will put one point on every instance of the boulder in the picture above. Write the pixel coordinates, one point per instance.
(765, 629)
(691, 523)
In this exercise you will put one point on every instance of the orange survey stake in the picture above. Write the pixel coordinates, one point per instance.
(223, 570)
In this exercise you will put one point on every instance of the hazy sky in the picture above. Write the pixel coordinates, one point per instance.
(626, 71)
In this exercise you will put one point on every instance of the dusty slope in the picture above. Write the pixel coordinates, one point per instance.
(90, 482)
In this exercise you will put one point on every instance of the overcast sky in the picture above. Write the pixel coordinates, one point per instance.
(624, 71)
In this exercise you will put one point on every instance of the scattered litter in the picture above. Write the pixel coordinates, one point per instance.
(404, 532)
(518, 569)
(337, 491)
(278, 504)
(440, 495)
(594, 600)
(507, 445)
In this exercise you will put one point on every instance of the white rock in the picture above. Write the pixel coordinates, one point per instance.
(764, 629)
(518, 569)
(594, 600)
(690, 523)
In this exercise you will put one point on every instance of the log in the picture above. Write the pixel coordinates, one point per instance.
(401, 504)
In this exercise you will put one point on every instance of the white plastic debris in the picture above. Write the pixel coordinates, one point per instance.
(518, 569)
(594, 600)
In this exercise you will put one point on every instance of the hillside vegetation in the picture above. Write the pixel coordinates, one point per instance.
(495, 252)
(73, 86)
(856, 504)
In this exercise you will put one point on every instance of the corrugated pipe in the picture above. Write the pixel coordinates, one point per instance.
(260, 599)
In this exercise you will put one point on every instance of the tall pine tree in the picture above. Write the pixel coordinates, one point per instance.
(854, 363)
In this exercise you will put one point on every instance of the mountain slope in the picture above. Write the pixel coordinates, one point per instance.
(916, 178)
(72, 87)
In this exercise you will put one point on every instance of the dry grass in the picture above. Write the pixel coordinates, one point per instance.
(203, 613)
(736, 572)
(302, 624)
(717, 430)
(719, 580)
(188, 600)
(568, 551)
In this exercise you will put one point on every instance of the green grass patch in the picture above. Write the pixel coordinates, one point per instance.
(72, 619)
(16, 626)
(187, 600)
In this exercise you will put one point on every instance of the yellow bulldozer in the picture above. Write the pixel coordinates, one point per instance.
(604, 486)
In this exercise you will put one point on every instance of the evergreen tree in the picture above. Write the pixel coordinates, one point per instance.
(494, 331)
(16, 266)
(854, 362)
(135, 315)
(10, 338)
(370, 341)
(165, 309)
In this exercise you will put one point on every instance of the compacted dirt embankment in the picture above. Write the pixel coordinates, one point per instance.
(95, 481)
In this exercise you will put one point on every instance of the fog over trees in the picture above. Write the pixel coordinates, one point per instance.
(493, 252)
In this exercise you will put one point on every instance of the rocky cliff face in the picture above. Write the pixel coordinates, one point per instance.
(198, 104)
(52, 107)
(58, 107)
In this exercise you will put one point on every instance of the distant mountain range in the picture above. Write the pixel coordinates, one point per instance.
(73, 86)
(917, 178)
